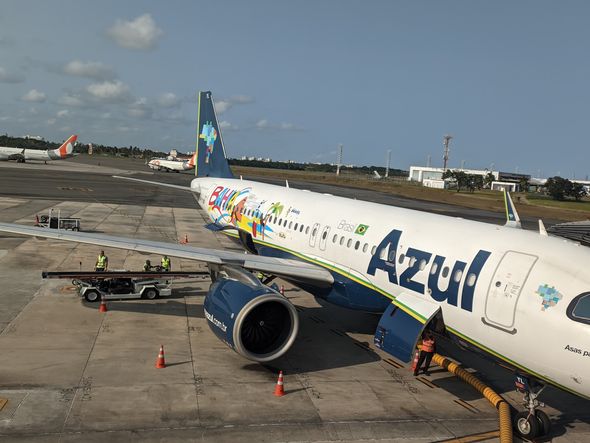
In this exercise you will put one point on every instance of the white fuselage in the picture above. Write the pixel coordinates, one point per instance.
(161, 164)
(506, 314)
(24, 154)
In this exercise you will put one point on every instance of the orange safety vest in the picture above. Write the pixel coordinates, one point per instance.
(428, 345)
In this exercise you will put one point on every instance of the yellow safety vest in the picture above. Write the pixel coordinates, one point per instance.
(166, 263)
(101, 262)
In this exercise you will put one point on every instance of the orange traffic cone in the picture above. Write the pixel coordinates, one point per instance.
(415, 361)
(279, 390)
(160, 362)
(282, 290)
(103, 305)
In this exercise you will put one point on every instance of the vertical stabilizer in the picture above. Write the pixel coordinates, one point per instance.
(65, 150)
(211, 159)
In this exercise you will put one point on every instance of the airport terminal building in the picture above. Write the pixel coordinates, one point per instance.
(432, 177)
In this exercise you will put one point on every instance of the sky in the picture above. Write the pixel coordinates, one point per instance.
(509, 80)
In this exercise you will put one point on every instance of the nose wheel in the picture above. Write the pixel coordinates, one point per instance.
(532, 422)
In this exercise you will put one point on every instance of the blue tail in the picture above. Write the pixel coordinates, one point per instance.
(211, 159)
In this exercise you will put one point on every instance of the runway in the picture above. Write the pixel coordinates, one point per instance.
(70, 373)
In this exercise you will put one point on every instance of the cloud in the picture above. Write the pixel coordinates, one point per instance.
(107, 91)
(94, 70)
(140, 34)
(34, 96)
(140, 109)
(227, 126)
(223, 105)
(63, 113)
(51, 121)
(264, 124)
(71, 99)
(168, 100)
(10, 77)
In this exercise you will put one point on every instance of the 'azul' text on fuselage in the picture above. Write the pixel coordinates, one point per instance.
(386, 259)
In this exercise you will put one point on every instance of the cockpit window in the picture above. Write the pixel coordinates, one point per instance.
(579, 308)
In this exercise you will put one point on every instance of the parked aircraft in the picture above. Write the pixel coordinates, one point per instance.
(519, 297)
(21, 155)
(163, 164)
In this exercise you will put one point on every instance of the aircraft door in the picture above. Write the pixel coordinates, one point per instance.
(402, 323)
(313, 235)
(505, 288)
(324, 237)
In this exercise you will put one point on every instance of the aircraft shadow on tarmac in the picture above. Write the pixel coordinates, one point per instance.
(324, 345)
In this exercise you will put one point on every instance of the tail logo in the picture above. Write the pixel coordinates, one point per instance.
(209, 134)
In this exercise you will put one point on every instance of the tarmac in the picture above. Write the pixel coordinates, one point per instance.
(70, 373)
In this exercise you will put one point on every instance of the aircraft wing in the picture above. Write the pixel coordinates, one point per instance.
(291, 269)
(149, 182)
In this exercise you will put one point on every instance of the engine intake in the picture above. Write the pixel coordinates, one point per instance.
(254, 320)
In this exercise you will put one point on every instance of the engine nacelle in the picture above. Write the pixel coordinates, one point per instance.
(254, 320)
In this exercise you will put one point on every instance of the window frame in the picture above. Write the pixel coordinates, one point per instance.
(570, 309)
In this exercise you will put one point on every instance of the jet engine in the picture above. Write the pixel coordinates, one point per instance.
(254, 320)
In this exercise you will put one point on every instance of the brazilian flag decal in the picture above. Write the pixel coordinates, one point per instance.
(361, 229)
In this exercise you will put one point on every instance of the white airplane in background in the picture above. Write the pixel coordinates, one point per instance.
(21, 155)
(163, 164)
(519, 297)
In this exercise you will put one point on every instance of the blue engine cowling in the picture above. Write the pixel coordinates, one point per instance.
(254, 320)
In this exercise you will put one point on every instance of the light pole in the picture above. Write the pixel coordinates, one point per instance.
(446, 139)
(388, 163)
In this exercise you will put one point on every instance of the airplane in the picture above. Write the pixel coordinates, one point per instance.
(376, 175)
(162, 164)
(521, 298)
(21, 155)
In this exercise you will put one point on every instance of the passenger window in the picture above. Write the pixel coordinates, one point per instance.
(341, 240)
(412, 261)
(334, 238)
(357, 244)
(401, 258)
(579, 308)
(422, 264)
(383, 254)
(470, 279)
(301, 228)
(324, 235)
(458, 275)
(290, 224)
(373, 250)
(314, 232)
(307, 230)
(295, 228)
(391, 257)
(365, 247)
(280, 221)
(434, 268)
(445, 272)
(349, 242)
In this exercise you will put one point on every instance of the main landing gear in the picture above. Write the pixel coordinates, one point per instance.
(532, 422)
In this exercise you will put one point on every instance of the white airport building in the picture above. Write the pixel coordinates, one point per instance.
(432, 177)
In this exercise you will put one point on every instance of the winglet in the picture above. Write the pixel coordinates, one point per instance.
(512, 218)
(542, 229)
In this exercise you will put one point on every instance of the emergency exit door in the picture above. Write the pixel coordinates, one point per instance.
(505, 289)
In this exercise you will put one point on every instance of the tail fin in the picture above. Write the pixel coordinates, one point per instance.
(192, 161)
(67, 149)
(211, 159)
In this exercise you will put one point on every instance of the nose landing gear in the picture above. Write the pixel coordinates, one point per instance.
(532, 422)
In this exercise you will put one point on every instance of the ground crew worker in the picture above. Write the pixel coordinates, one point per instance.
(166, 265)
(147, 266)
(427, 349)
(102, 262)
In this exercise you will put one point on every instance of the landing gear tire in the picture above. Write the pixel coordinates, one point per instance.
(526, 425)
(544, 422)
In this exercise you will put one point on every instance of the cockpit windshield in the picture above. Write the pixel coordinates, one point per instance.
(579, 308)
